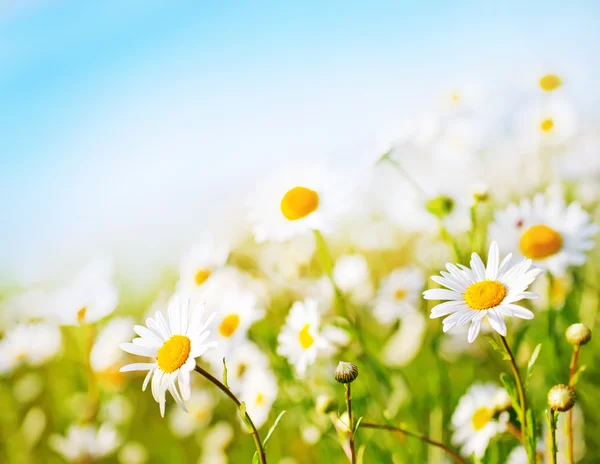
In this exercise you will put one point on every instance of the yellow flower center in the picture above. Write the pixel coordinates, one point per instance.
(201, 276)
(547, 124)
(299, 202)
(485, 295)
(174, 353)
(306, 339)
(550, 82)
(229, 325)
(481, 417)
(241, 370)
(455, 97)
(539, 242)
(400, 294)
(81, 315)
(260, 399)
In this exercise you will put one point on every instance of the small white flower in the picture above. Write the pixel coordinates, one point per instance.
(200, 407)
(199, 265)
(548, 233)
(84, 443)
(89, 297)
(259, 392)
(481, 292)
(174, 345)
(105, 352)
(399, 294)
(546, 122)
(295, 201)
(241, 363)
(214, 443)
(402, 347)
(300, 339)
(32, 344)
(475, 420)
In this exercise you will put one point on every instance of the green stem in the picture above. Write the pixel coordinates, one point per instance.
(350, 423)
(262, 459)
(572, 368)
(422, 437)
(523, 404)
(552, 426)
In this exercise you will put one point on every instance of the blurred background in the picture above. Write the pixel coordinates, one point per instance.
(127, 125)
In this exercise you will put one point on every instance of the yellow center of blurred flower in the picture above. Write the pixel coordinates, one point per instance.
(260, 399)
(174, 353)
(201, 276)
(481, 417)
(241, 370)
(539, 242)
(299, 202)
(229, 325)
(546, 125)
(550, 82)
(306, 339)
(485, 295)
(81, 314)
(455, 97)
(400, 294)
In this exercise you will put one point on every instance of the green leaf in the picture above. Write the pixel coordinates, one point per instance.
(323, 253)
(577, 374)
(360, 455)
(244, 416)
(255, 458)
(497, 347)
(532, 360)
(357, 424)
(511, 389)
(225, 373)
(273, 427)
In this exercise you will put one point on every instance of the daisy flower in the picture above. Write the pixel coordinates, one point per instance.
(174, 345)
(89, 297)
(31, 344)
(200, 407)
(105, 353)
(476, 420)
(234, 313)
(259, 392)
(300, 339)
(241, 364)
(398, 294)
(86, 443)
(296, 201)
(482, 291)
(549, 122)
(199, 264)
(552, 235)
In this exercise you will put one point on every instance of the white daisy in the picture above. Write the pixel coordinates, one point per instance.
(259, 393)
(234, 313)
(475, 420)
(32, 344)
(548, 122)
(548, 233)
(481, 292)
(295, 201)
(86, 443)
(90, 296)
(398, 294)
(200, 263)
(300, 339)
(241, 363)
(174, 345)
(402, 347)
(105, 352)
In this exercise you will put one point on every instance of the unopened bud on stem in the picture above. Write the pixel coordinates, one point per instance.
(346, 372)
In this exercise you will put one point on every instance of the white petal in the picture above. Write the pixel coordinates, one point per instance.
(449, 283)
(148, 333)
(184, 316)
(160, 320)
(520, 311)
(174, 316)
(477, 267)
(147, 379)
(184, 383)
(441, 294)
(491, 271)
(139, 350)
(446, 308)
(474, 329)
(497, 322)
(137, 367)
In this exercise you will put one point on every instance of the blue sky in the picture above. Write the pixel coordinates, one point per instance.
(108, 109)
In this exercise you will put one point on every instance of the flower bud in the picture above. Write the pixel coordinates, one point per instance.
(578, 334)
(561, 398)
(325, 404)
(440, 206)
(346, 372)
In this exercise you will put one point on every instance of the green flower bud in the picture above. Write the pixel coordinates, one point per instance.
(578, 334)
(346, 372)
(561, 398)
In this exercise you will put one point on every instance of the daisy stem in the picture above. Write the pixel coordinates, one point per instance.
(424, 438)
(521, 391)
(350, 423)
(572, 368)
(552, 426)
(262, 459)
